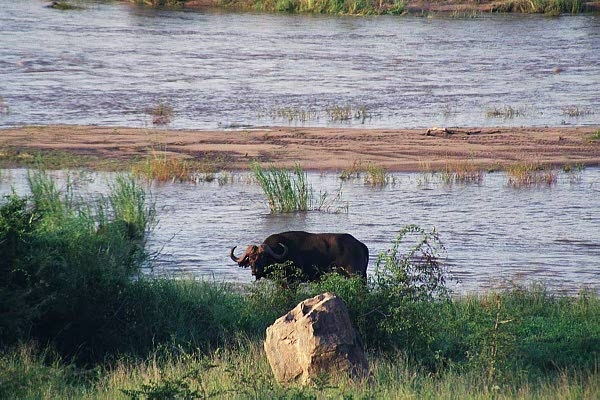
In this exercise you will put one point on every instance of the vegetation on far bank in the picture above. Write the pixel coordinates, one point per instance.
(80, 319)
(380, 7)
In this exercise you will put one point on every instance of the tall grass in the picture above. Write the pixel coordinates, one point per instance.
(462, 172)
(354, 7)
(530, 174)
(289, 190)
(162, 167)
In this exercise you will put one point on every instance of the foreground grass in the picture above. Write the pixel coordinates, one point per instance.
(548, 348)
(243, 373)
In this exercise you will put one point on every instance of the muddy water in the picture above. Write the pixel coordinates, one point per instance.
(110, 62)
(493, 233)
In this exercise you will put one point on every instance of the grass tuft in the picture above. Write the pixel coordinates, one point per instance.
(162, 114)
(462, 172)
(507, 112)
(530, 174)
(289, 190)
(595, 136)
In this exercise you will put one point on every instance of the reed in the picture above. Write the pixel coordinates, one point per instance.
(353, 7)
(162, 114)
(530, 174)
(162, 167)
(352, 172)
(376, 175)
(289, 191)
(462, 172)
(507, 112)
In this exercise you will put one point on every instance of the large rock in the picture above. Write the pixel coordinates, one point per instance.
(315, 337)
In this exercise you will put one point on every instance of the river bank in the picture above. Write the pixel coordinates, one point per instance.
(324, 149)
(417, 7)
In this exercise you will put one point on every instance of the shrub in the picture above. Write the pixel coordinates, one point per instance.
(66, 263)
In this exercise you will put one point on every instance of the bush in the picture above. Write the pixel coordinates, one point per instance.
(66, 263)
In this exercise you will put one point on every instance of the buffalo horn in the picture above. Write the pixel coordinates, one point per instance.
(236, 259)
(276, 256)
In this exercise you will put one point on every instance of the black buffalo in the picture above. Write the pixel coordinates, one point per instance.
(314, 253)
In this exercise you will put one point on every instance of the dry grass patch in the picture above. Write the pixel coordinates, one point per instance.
(530, 174)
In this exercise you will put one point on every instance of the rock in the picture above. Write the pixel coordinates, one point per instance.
(315, 338)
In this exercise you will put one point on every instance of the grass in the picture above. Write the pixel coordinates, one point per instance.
(374, 175)
(289, 190)
(574, 111)
(530, 174)
(378, 7)
(462, 172)
(347, 113)
(355, 7)
(54, 159)
(162, 114)
(506, 112)
(64, 5)
(4, 109)
(294, 114)
(160, 166)
(595, 136)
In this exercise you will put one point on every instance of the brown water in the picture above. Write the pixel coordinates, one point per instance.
(110, 62)
(493, 233)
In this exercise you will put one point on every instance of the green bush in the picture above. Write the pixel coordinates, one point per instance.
(66, 264)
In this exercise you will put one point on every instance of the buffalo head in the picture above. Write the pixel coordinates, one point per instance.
(258, 257)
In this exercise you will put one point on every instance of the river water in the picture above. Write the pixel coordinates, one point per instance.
(493, 233)
(110, 62)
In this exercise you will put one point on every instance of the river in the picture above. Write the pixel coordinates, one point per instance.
(110, 63)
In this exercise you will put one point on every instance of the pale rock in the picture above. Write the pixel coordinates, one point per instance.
(316, 337)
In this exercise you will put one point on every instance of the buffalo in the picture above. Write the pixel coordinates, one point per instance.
(313, 253)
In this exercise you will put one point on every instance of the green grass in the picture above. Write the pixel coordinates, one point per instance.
(54, 159)
(354, 7)
(595, 136)
(290, 191)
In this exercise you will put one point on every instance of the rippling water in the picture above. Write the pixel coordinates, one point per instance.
(492, 232)
(110, 62)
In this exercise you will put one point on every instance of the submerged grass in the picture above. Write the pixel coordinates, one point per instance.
(462, 172)
(160, 166)
(530, 174)
(506, 112)
(290, 191)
